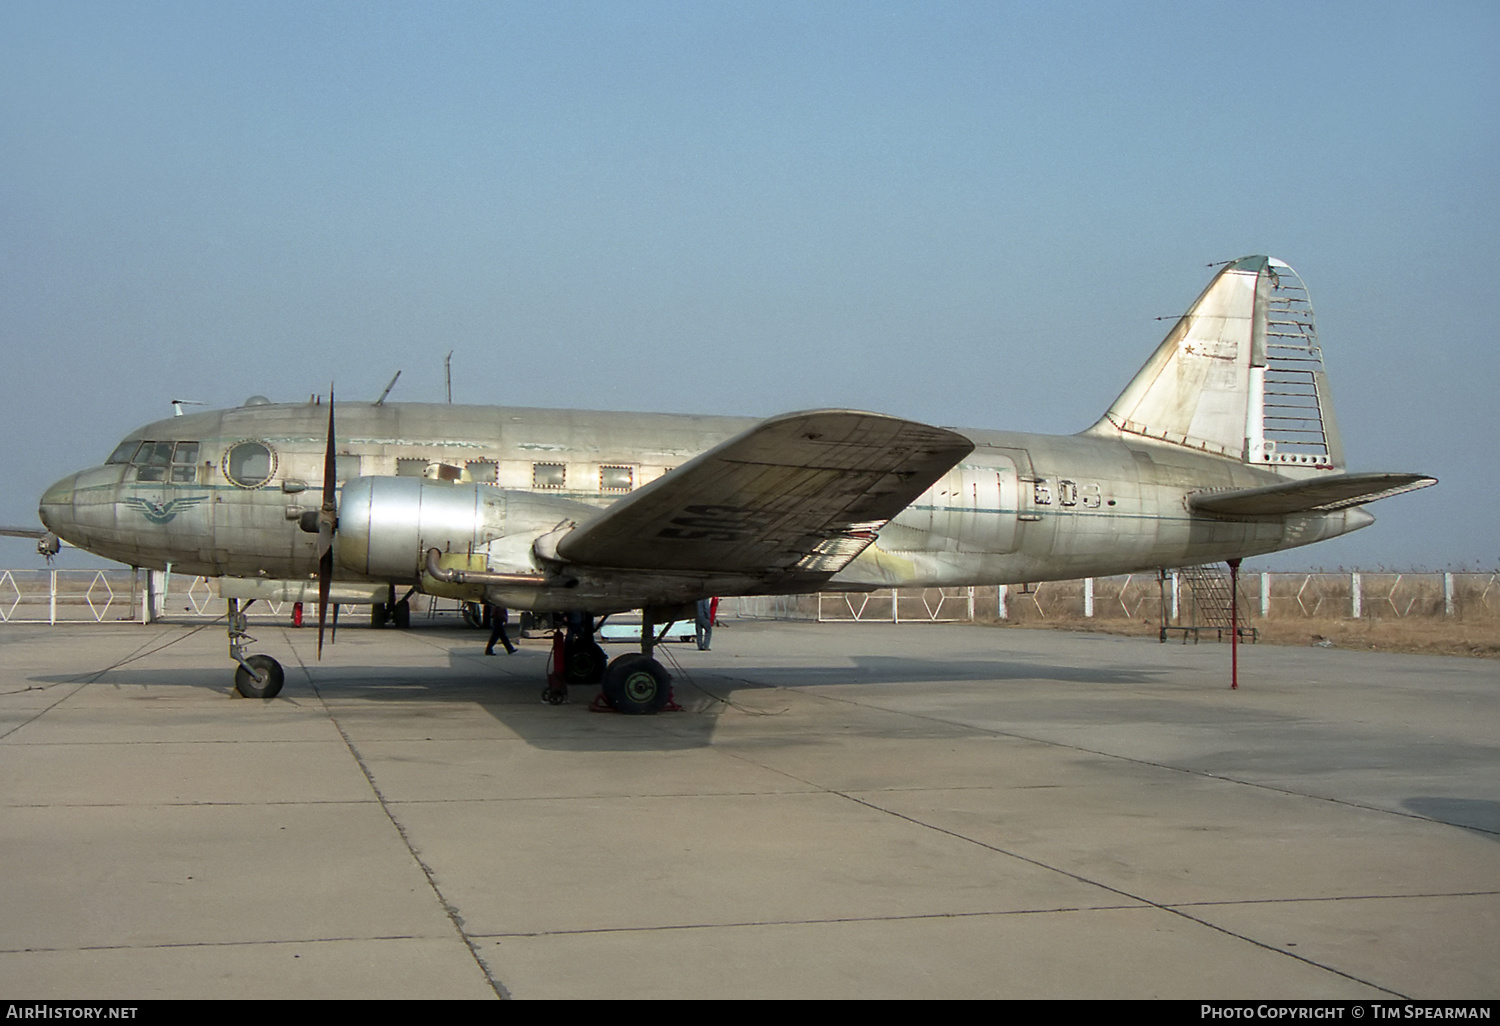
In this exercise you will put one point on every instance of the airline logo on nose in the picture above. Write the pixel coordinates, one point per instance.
(163, 512)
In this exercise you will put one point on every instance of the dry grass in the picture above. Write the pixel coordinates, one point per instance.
(1431, 637)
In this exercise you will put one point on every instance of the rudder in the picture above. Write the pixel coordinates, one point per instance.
(1240, 375)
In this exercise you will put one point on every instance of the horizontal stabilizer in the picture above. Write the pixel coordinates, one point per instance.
(797, 494)
(1313, 495)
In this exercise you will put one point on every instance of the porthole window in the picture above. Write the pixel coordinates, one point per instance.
(249, 464)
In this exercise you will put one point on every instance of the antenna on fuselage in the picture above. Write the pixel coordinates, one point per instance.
(178, 404)
(393, 385)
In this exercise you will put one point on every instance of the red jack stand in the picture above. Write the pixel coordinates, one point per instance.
(556, 691)
(1234, 625)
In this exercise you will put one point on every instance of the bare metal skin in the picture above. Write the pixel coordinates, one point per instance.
(1223, 446)
(1018, 507)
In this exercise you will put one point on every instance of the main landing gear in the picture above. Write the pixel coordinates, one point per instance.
(392, 612)
(257, 676)
(632, 683)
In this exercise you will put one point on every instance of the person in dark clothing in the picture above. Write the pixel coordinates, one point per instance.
(498, 619)
(705, 624)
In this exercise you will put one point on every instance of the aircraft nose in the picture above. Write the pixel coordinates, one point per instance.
(56, 508)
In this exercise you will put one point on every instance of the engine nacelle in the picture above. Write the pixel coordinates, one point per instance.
(387, 524)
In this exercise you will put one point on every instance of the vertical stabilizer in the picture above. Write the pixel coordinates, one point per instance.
(1240, 375)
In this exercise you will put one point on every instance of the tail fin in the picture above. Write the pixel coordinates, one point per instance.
(1240, 375)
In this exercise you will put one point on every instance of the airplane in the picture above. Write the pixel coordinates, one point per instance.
(1223, 446)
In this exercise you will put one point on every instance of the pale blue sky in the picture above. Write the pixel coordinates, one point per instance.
(968, 213)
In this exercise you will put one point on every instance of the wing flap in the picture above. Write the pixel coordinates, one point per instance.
(800, 493)
(1312, 495)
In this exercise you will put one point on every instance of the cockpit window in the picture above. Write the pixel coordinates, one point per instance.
(249, 464)
(160, 461)
(184, 463)
(153, 458)
(124, 452)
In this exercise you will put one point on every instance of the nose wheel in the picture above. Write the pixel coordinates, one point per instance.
(257, 676)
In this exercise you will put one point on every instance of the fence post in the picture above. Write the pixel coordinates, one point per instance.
(1002, 592)
(148, 603)
(1356, 600)
(1176, 592)
(52, 599)
(1265, 596)
(1088, 597)
(1448, 595)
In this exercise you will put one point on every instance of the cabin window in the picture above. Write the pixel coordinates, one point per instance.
(249, 464)
(411, 466)
(548, 475)
(616, 479)
(483, 471)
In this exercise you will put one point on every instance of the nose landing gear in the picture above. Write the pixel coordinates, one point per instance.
(257, 676)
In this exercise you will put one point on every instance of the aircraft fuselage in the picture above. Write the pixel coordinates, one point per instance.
(221, 494)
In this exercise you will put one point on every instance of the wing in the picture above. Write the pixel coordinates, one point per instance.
(1312, 495)
(797, 494)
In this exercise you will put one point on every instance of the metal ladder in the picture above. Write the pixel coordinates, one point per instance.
(1212, 603)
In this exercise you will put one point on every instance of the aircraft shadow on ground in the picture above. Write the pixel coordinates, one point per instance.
(898, 670)
(509, 689)
(1481, 815)
(218, 679)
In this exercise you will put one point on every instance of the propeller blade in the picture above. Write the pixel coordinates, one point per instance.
(325, 582)
(327, 521)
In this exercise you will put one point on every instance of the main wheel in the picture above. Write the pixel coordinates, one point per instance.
(379, 614)
(585, 661)
(638, 684)
(271, 673)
